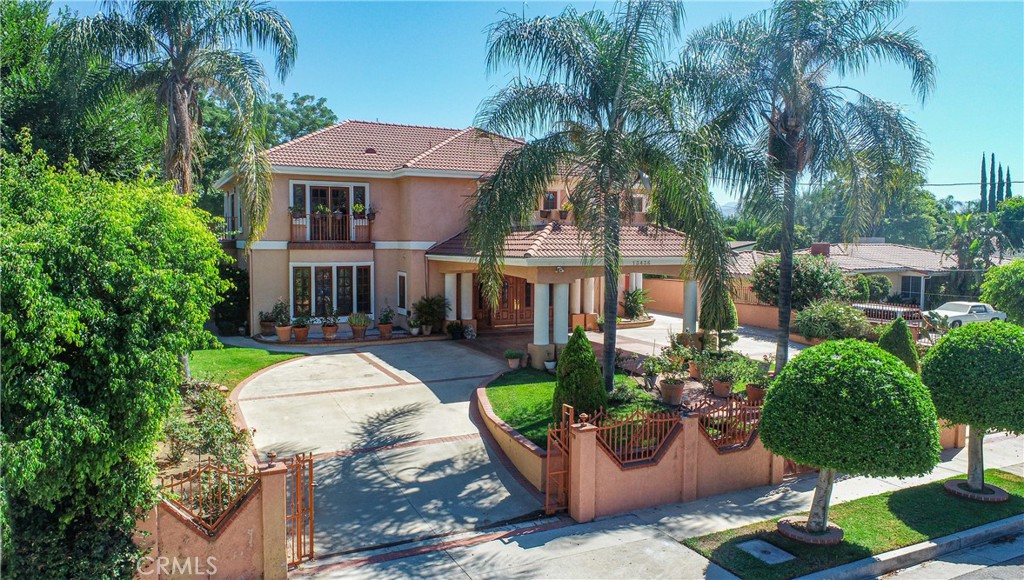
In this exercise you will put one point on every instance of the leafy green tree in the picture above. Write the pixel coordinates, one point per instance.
(180, 50)
(71, 106)
(104, 284)
(975, 241)
(303, 114)
(880, 287)
(1003, 288)
(897, 340)
(849, 406)
(769, 238)
(578, 375)
(610, 113)
(860, 288)
(976, 376)
(984, 187)
(814, 278)
(1011, 221)
(779, 71)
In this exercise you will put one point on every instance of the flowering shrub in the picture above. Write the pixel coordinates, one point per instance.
(814, 278)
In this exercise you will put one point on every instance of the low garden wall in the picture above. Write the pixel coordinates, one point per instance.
(523, 453)
(952, 436)
(666, 295)
(758, 315)
(250, 543)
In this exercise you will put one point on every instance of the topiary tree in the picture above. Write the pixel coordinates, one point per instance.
(814, 278)
(715, 327)
(579, 381)
(976, 376)
(879, 286)
(897, 340)
(1003, 287)
(849, 406)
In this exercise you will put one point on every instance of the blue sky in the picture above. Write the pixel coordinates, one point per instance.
(423, 63)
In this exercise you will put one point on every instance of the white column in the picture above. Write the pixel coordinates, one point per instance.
(588, 296)
(451, 285)
(690, 307)
(922, 292)
(639, 283)
(540, 315)
(574, 297)
(561, 313)
(466, 295)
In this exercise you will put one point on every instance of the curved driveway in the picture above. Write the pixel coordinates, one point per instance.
(396, 456)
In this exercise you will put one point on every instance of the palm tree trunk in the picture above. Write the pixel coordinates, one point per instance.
(786, 261)
(611, 287)
(976, 459)
(179, 146)
(817, 520)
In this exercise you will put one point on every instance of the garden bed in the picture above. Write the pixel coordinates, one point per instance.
(522, 399)
(872, 525)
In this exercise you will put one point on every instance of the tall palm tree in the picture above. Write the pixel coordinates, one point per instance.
(612, 124)
(183, 49)
(781, 70)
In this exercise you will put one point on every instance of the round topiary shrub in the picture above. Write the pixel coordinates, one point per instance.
(579, 382)
(851, 407)
(976, 377)
(897, 340)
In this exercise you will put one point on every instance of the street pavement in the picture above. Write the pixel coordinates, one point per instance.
(1000, 559)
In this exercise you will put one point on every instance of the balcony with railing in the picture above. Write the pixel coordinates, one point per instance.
(330, 228)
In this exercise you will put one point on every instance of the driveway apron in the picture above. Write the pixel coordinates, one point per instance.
(396, 456)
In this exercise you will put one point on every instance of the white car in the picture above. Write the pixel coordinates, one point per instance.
(960, 313)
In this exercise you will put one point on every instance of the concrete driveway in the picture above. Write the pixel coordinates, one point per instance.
(396, 455)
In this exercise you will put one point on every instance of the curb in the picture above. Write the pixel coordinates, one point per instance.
(918, 553)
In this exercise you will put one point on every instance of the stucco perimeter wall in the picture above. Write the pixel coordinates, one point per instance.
(666, 294)
(757, 315)
(527, 457)
(952, 436)
(250, 544)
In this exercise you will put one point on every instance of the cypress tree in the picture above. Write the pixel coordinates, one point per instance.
(992, 184)
(1009, 192)
(1000, 187)
(984, 186)
(578, 378)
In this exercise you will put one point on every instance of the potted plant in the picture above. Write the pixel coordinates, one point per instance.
(454, 330)
(359, 210)
(359, 321)
(266, 323)
(329, 325)
(545, 213)
(297, 211)
(431, 311)
(563, 212)
(414, 325)
(696, 364)
(385, 322)
(652, 367)
(673, 379)
(722, 374)
(322, 209)
(514, 357)
(757, 386)
(301, 328)
(282, 321)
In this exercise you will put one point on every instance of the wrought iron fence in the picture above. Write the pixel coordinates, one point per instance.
(635, 438)
(729, 426)
(209, 492)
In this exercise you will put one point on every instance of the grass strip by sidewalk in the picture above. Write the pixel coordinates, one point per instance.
(872, 525)
(230, 365)
(522, 398)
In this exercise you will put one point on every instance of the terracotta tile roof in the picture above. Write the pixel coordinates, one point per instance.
(863, 258)
(557, 240)
(392, 147)
(743, 263)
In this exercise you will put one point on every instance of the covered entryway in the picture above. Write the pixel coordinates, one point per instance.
(515, 304)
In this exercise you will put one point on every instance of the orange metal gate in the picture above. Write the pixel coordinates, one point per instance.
(556, 484)
(299, 518)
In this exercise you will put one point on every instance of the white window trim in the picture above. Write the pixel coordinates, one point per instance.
(402, 278)
(351, 185)
(312, 285)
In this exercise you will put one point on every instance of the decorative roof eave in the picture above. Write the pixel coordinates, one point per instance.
(364, 173)
(566, 261)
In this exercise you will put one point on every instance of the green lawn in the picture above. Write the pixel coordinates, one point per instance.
(229, 365)
(522, 398)
(872, 525)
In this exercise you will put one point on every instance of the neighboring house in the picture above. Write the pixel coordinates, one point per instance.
(415, 184)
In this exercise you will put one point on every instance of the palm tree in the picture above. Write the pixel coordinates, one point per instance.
(781, 70)
(181, 50)
(612, 124)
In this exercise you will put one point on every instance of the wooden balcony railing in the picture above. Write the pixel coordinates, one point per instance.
(336, 227)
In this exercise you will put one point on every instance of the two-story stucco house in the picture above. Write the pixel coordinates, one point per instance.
(367, 214)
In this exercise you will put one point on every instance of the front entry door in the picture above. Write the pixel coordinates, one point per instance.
(515, 303)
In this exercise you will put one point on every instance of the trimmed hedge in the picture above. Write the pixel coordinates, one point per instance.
(897, 340)
(579, 381)
(850, 406)
(976, 375)
(831, 320)
(814, 278)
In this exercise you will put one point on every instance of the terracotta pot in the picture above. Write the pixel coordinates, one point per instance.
(358, 332)
(721, 388)
(755, 394)
(513, 363)
(427, 329)
(563, 214)
(414, 331)
(330, 332)
(301, 333)
(545, 213)
(266, 328)
(385, 330)
(284, 333)
(672, 392)
(695, 372)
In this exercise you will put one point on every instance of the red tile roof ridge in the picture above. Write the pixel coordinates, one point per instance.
(405, 125)
(542, 235)
(413, 161)
(307, 135)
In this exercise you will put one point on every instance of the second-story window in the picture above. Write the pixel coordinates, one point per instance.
(298, 198)
(550, 200)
